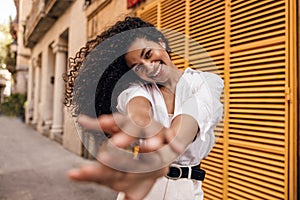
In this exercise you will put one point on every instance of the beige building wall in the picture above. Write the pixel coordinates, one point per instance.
(23, 54)
(77, 39)
(48, 62)
(99, 19)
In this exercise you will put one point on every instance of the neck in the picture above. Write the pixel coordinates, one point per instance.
(173, 80)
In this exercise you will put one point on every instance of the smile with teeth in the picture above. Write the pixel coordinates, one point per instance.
(155, 74)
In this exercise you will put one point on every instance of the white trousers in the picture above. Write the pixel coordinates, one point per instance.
(168, 189)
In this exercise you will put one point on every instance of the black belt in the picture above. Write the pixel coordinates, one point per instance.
(177, 172)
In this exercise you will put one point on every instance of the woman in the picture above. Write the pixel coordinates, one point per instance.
(167, 115)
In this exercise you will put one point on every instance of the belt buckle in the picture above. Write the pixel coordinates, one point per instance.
(180, 172)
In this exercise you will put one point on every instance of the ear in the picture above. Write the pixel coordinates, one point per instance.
(162, 43)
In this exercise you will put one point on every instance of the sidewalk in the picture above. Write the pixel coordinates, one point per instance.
(33, 167)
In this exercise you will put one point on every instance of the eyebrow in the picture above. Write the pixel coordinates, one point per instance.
(143, 51)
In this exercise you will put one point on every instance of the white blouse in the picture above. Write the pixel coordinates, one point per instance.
(198, 95)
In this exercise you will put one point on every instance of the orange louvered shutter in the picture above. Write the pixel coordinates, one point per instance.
(251, 45)
(207, 28)
(258, 108)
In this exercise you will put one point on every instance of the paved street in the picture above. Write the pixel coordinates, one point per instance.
(32, 167)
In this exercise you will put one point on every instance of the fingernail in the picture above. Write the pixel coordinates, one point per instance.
(73, 173)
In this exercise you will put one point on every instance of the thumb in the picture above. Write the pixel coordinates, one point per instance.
(86, 173)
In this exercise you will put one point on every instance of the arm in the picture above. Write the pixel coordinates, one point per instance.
(180, 134)
(139, 111)
(134, 185)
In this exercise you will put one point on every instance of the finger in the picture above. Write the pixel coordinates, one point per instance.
(151, 144)
(125, 160)
(88, 122)
(109, 124)
(122, 140)
(104, 123)
(86, 173)
(154, 129)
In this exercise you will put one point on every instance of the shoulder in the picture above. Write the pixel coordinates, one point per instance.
(137, 89)
(195, 81)
(141, 87)
(197, 74)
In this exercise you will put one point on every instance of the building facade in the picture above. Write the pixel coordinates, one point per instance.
(253, 46)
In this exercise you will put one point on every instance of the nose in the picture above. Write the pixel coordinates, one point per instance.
(148, 66)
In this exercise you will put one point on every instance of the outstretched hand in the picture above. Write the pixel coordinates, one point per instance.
(118, 168)
(135, 185)
(124, 132)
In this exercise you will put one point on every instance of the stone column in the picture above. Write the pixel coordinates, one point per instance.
(59, 49)
(45, 121)
(29, 103)
(36, 92)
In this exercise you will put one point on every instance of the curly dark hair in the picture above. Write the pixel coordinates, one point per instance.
(96, 74)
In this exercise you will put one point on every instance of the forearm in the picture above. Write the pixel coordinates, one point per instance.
(184, 128)
(139, 111)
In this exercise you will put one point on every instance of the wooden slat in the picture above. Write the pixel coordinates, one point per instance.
(259, 50)
(258, 37)
(251, 6)
(202, 6)
(241, 3)
(257, 120)
(257, 31)
(258, 62)
(263, 193)
(168, 4)
(257, 55)
(258, 139)
(257, 128)
(258, 83)
(266, 88)
(204, 14)
(258, 133)
(258, 146)
(173, 24)
(259, 10)
(256, 155)
(210, 23)
(280, 107)
(169, 13)
(261, 72)
(219, 47)
(257, 100)
(258, 78)
(270, 24)
(263, 168)
(258, 66)
(255, 45)
(260, 177)
(251, 17)
(254, 110)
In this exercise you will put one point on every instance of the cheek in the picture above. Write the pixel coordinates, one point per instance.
(162, 54)
(127, 61)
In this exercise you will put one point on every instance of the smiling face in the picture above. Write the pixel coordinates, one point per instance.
(149, 60)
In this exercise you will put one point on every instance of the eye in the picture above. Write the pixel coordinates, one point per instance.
(137, 68)
(148, 54)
